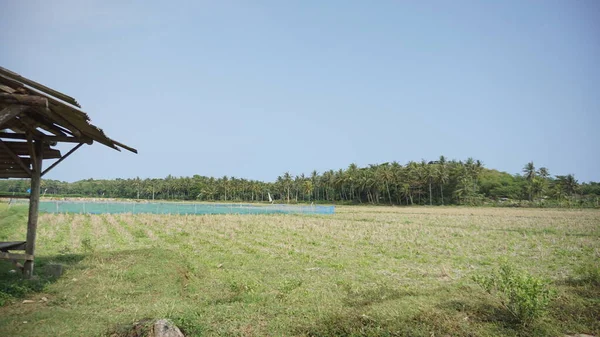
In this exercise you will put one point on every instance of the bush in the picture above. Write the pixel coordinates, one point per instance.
(524, 296)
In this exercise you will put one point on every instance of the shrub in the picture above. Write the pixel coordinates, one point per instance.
(524, 296)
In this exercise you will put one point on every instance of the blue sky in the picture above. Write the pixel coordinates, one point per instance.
(254, 89)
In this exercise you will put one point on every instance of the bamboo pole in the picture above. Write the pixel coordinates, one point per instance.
(34, 202)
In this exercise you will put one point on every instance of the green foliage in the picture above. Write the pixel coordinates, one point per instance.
(13, 286)
(87, 246)
(524, 296)
(438, 182)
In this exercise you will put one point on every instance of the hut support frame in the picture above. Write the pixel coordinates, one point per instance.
(33, 118)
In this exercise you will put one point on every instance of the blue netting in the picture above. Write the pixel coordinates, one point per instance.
(85, 207)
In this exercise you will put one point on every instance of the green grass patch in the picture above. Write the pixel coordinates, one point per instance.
(365, 271)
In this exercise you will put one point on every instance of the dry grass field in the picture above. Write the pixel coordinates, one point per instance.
(365, 271)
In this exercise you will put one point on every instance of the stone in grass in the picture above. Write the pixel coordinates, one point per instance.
(53, 270)
(148, 328)
(165, 328)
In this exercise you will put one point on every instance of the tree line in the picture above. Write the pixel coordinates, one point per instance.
(439, 182)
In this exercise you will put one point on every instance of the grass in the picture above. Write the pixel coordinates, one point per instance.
(365, 271)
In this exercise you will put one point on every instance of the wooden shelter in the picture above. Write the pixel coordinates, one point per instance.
(34, 119)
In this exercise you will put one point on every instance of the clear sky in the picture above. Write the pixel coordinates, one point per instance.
(256, 88)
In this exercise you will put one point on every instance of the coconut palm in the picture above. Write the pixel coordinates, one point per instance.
(530, 174)
(442, 175)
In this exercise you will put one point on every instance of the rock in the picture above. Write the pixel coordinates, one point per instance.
(54, 270)
(165, 328)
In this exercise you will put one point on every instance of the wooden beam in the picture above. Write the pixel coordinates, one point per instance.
(13, 256)
(16, 77)
(12, 166)
(62, 158)
(12, 245)
(30, 100)
(19, 174)
(40, 122)
(7, 89)
(9, 196)
(22, 149)
(60, 120)
(6, 159)
(34, 203)
(22, 124)
(47, 139)
(16, 158)
(32, 152)
(125, 147)
(10, 112)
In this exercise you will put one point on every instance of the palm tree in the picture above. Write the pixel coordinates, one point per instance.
(429, 173)
(287, 181)
(529, 170)
(442, 175)
(397, 173)
(308, 188)
(351, 177)
(543, 173)
(569, 184)
(314, 178)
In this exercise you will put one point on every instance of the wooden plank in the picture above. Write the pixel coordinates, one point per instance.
(6, 175)
(10, 196)
(79, 122)
(16, 171)
(12, 245)
(20, 125)
(33, 152)
(5, 157)
(7, 89)
(13, 256)
(58, 139)
(11, 112)
(48, 123)
(30, 125)
(21, 148)
(36, 122)
(34, 203)
(125, 147)
(64, 113)
(11, 166)
(62, 158)
(59, 120)
(38, 86)
(14, 157)
(18, 99)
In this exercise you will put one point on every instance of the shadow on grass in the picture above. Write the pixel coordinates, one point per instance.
(577, 307)
(378, 294)
(481, 311)
(14, 286)
(351, 323)
(425, 323)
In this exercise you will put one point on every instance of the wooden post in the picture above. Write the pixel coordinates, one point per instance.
(34, 202)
